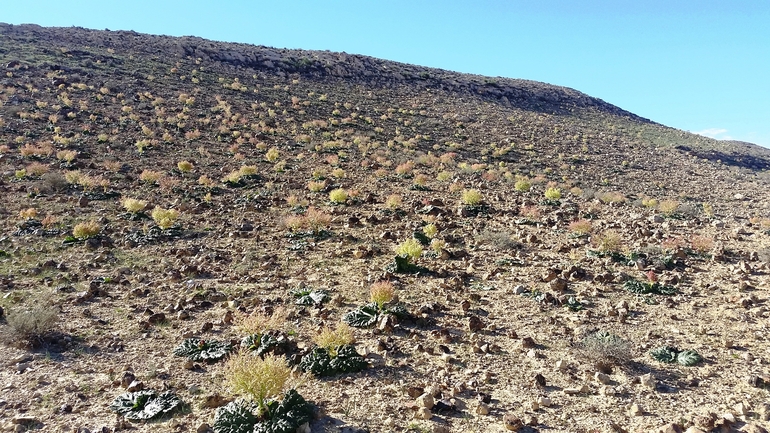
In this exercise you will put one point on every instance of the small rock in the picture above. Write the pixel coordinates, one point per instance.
(127, 378)
(602, 378)
(426, 401)
(544, 401)
(475, 324)
(24, 420)
(203, 428)
(156, 318)
(512, 422)
(741, 409)
(669, 428)
(539, 380)
(573, 391)
(561, 365)
(213, 401)
(441, 429)
(530, 420)
(134, 386)
(423, 413)
(527, 342)
(389, 422)
(693, 429)
(635, 410)
(648, 380)
(753, 428)
(482, 409)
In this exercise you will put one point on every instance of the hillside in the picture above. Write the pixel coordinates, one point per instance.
(540, 241)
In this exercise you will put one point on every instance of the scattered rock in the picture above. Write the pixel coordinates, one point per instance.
(482, 409)
(475, 324)
(214, 401)
(602, 378)
(574, 391)
(635, 410)
(423, 413)
(511, 422)
(426, 401)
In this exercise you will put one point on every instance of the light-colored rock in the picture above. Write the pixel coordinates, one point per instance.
(561, 365)
(648, 381)
(635, 410)
(423, 413)
(602, 378)
(741, 409)
(511, 422)
(482, 409)
(576, 390)
(426, 400)
(544, 401)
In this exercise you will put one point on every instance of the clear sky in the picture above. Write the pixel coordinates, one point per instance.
(697, 65)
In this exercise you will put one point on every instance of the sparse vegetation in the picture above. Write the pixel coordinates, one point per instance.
(412, 202)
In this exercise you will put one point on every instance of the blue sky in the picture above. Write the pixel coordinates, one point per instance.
(697, 65)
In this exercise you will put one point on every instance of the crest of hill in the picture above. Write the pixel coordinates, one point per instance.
(524, 94)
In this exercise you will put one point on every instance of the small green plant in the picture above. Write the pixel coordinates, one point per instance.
(164, 218)
(651, 286)
(134, 205)
(410, 249)
(553, 194)
(263, 381)
(522, 185)
(381, 293)
(86, 230)
(311, 297)
(471, 197)
(368, 314)
(272, 155)
(430, 230)
(185, 166)
(580, 227)
(670, 355)
(146, 405)
(338, 196)
(286, 415)
(324, 361)
(196, 349)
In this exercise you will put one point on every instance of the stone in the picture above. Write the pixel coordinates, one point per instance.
(482, 409)
(753, 428)
(693, 429)
(574, 391)
(602, 378)
(528, 343)
(530, 420)
(134, 386)
(544, 401)
(741, 409)
(423, 413)
(635, 410)
(441, 429)
(648, 381)
(511, 422)
(203, 428)
(213, 401)
(561, 365)
(426, 401)
(669, 428)
(475, 324)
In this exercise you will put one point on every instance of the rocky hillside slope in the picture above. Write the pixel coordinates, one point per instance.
(499, 254)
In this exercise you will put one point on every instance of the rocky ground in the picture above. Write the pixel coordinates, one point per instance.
(598, 237)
